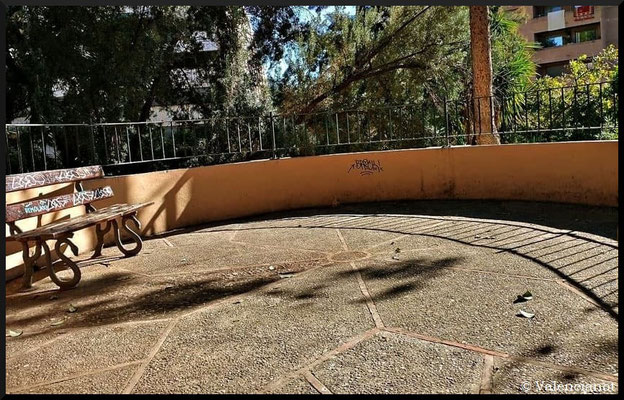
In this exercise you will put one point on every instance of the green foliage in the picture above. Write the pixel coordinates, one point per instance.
(115, 63)
(583, 97)
(379, 55)
(396, 55)
(513, 67)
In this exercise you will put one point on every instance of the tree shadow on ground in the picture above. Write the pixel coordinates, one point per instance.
(597, 220)
(138, 297)
(516, 244)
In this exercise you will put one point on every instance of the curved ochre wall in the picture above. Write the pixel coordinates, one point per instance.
(570, 172)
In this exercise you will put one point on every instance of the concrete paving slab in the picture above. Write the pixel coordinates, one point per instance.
(393, 364)
(520, 378)
(476, 308)
(242, 347)
(363, 239)
(325, 240)
(83, 351)
(296, 386)
(107, 382)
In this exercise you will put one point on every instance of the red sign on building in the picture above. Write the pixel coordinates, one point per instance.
(583, 12)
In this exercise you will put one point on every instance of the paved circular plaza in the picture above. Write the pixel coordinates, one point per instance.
(417, 297)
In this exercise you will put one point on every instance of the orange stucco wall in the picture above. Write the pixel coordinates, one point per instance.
(576, 172)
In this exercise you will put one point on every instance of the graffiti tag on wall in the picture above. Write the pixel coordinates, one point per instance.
(366, 167)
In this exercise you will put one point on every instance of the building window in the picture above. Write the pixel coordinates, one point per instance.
(563, 37)
(585, 36)
(554, 69)
(542, 11)
(583, 12)
(553, 39)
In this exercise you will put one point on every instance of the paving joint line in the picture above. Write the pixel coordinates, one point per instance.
(498, 354)
(75, 376)
(485, 386)
(579, 293)
(342, 240)
(234, 232)
(143, 366)
(316, 383)
(352, 342)
(370, 304)
(389, 241)
(66, 330)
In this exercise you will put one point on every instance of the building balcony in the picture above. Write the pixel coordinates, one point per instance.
(567, 52)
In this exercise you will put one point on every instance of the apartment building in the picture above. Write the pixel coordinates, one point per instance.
(567, 32)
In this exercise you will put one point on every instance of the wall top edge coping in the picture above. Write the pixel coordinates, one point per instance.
(351, 154)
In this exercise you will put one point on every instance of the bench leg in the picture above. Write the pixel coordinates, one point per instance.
(63, 283)
(100, 238)
(133, 235)
(29, 262)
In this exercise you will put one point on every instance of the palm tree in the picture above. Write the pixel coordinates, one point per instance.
(482, 76)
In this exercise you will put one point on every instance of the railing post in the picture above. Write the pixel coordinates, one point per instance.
(337, 129)
(105, 144)
(43, 149)
(273, 133)
(448, 141)
(128, 141)
(601, 110)
(91, 139)
(19, 150)
(7, 153)
(260, 132)
(173, 139)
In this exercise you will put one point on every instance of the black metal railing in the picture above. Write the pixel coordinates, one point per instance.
(582, 112)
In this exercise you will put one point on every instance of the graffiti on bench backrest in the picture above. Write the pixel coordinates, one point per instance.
(42, 206)
(44, 178)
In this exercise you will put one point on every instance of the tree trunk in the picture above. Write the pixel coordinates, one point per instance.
(482, 75)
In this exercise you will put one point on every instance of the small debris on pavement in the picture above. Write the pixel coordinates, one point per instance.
(519, 299)
(287, 275)
(525, 314)
(57, 322)
(484, 237)
(13, 333)
(71, 308)
(523, 298)
(397, 250)
(123, 278)
(271, 268)
(395, 257)
(53, 297)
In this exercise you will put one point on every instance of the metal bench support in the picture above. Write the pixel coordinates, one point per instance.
(29, 262)
(63, 283)
(100, 238)
(133, 235)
